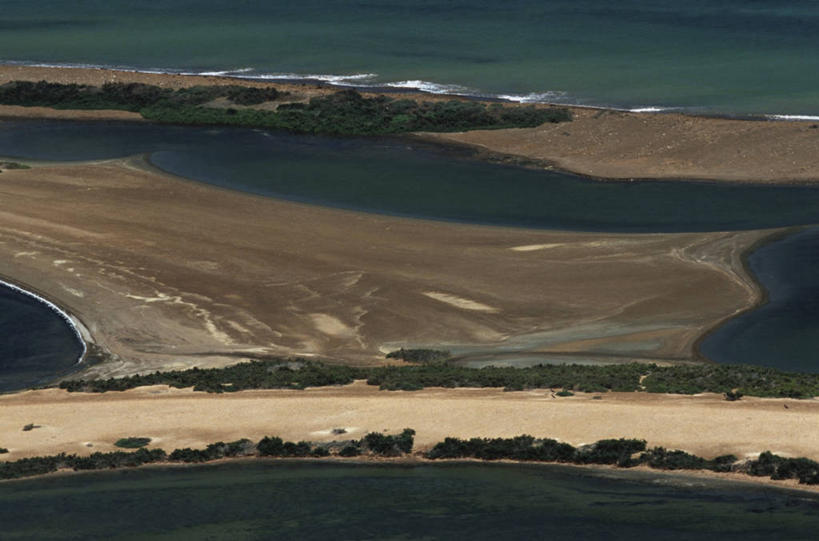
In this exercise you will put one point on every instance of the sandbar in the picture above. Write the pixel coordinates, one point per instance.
(167, 273)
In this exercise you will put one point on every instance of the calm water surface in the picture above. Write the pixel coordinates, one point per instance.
(783, 333)
(742, 56)
(330, 501)
(394, 176)
(36, 344)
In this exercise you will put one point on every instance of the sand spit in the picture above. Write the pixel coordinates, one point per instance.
(706, 425)
(623, 145)
(168, 273)
(599, 143)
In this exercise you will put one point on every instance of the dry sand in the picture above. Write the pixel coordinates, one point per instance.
(598, 143)
(706, 425)
(622, 145)
(167, 273)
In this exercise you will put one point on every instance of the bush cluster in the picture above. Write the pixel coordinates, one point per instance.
(26, 467)
(275, 374)
(126, 96)
(777, 467)
(420, 356)
(132, 442)
(623, 453)
(281, 373)
(528, 448)
(372, 444)
(345, 112)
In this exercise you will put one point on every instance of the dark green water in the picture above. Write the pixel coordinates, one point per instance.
(394, 176)
(328, 501)
(36, 344)
(743, 56)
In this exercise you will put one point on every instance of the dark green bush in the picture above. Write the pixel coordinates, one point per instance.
(422, 356)
(132, 442)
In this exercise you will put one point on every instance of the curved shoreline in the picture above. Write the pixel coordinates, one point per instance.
(80, 331)
(763, 295)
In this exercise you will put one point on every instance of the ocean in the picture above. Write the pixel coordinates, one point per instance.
(724, 57)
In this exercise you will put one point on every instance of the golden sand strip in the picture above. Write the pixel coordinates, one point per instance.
(598, 143)
(705, 425)
(167, 273)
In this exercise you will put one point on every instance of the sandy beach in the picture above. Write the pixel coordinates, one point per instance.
(599, 143)
(705, 425)
(168, 273)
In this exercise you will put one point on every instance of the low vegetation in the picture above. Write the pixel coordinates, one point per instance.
(373, 444)
(623, 452)
(132, 442)
(739, 380)
(12, 165)
(420, 356)
(3, 450)
(345, 112)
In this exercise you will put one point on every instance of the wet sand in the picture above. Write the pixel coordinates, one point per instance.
(168, 273)
(705, 425)
(598, 143)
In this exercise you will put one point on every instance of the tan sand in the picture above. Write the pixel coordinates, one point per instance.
(167, 273)
(705, 425)
(598, 143)
(621, 145)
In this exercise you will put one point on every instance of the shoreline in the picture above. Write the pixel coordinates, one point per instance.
(80, 331)
(601, 143)
(424, 88)
(415, 459)
(763, 295)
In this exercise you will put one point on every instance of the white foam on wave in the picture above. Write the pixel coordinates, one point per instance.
(649, 109)
(551, 96)
(223, 73)
(432, 88)
(355, 79)
(792, 117)
(59, 311)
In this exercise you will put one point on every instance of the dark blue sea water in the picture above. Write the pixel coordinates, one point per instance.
(342, 501)
(36, 343)
(740, 56)
(784, 332)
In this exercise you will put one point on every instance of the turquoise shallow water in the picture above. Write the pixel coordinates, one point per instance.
(732, 56)
(329, 501)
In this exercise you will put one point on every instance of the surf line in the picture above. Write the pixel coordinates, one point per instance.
(59, 311)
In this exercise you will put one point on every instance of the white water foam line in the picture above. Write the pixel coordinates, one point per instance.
(59, 311)
(792, 117)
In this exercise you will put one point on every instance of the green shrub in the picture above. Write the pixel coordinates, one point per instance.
(132, 443)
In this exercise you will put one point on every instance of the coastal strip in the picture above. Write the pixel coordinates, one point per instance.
(703, 425)
(598, 143)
